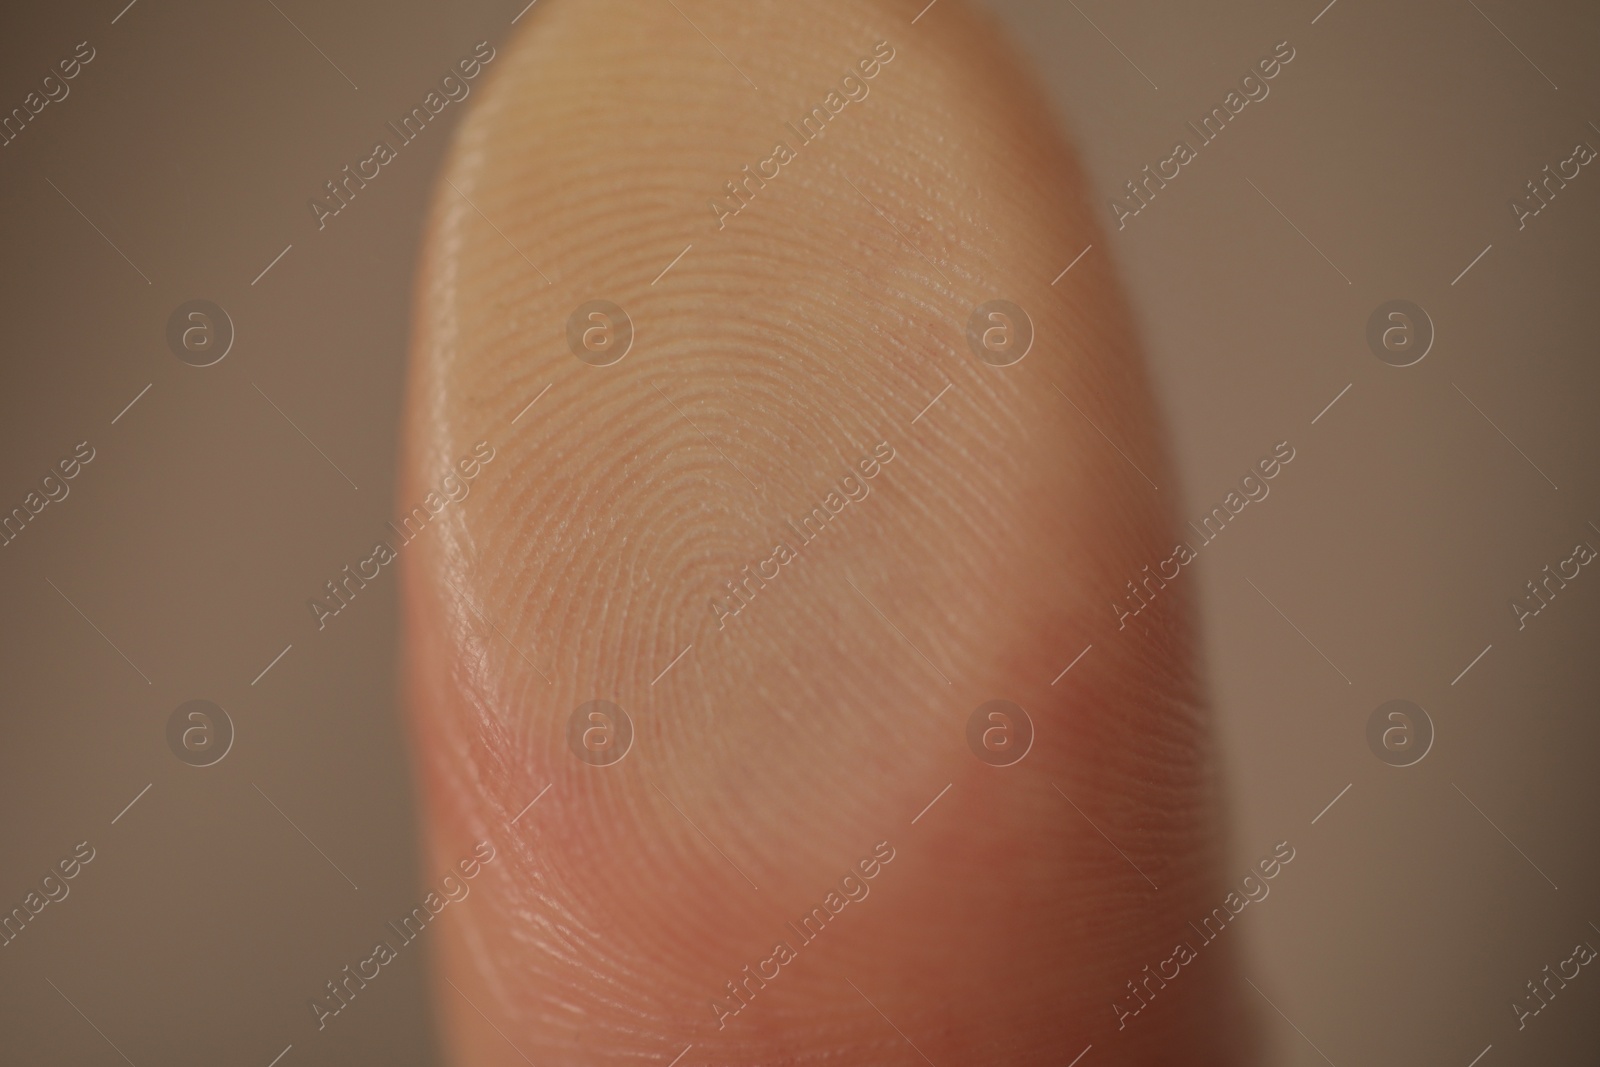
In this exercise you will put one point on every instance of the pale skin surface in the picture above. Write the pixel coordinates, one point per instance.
(793, 738)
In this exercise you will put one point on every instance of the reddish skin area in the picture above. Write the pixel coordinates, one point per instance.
(794, 738)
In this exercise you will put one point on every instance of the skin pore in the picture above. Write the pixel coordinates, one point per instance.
(780, 751)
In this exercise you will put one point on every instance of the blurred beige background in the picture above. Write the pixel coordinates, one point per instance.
(1381, 164)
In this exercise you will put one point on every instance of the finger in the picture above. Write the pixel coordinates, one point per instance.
(799, 533)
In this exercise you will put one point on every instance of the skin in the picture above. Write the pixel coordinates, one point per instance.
(794, 738)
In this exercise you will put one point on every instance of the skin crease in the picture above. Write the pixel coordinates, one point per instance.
(791, 739)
